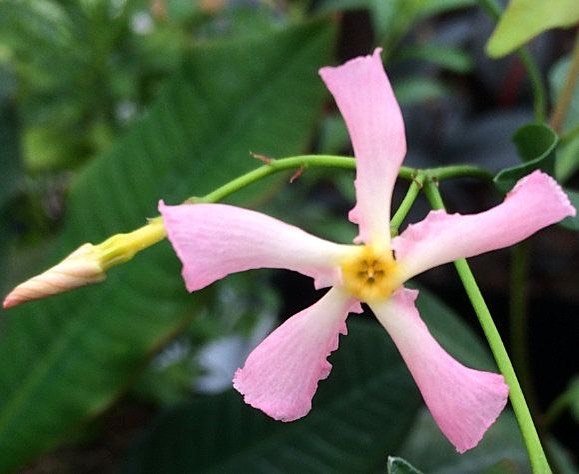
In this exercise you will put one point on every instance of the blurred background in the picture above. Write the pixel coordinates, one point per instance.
(107, 106)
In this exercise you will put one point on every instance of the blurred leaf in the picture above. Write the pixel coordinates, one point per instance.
(47, 149)
(500, 445)
(237, 19)
(334, 136)
(365, 410)
(65, 359)
(453, 333)
(536, 144)
(415, 90)
(360, 414)
(450, 58)
(204, 358)
(561, 459)
(572, 222)
(11, 174)
(568, 153)
(392, 19)
(557, 77)
(567, 162)
(525, 19)
(400, 466)
(574, 397)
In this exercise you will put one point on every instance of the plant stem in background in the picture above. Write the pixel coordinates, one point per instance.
(564, 100)
(563, 402)
(539, 91)
(518, 319)
(494, 10)
(537, 456)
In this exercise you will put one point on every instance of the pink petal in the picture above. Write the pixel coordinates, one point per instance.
(367, 103)
(214, 240)
(535, 202)
(281, 375)
(464, 402)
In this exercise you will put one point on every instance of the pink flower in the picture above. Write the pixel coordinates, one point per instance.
(281, 375)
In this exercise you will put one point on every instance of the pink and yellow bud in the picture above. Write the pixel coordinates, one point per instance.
(81, 267)
(86, 265)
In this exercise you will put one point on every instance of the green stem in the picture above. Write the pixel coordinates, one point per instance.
(122, 247)
(539, 91)
(566, 95)
(456, 171)
(330, 161)
(530, 436)
(406, 204)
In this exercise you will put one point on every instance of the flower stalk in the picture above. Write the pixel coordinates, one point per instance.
(537, 455)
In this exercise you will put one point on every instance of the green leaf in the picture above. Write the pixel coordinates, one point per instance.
(11, 174)
(536, 144)
(367, 409)
(572, 222)
(392, 19)
(400, 466)
(453, 59)
(573, 391)
(501, 445)
(348, 430)
(525, 19)
(65, 359)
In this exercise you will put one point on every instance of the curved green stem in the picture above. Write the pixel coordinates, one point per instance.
(539, 91)
(273, 166)
(406, 204)
(457, 171)
(537, 456)
(566, 95)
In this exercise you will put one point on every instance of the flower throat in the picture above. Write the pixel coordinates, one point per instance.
(370, 274)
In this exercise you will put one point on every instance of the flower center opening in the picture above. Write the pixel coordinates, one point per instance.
(370, 274)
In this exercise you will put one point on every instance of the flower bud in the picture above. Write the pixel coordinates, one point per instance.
(81, 267)
(86, 265)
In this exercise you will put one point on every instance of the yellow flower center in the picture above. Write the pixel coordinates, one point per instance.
(370, 274)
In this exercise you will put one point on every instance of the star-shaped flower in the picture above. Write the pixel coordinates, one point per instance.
(281, 375)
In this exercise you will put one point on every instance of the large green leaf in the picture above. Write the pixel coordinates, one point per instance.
(501, 444)
(525, 19)
(65, 359)
(360, 414)
(367, 409)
